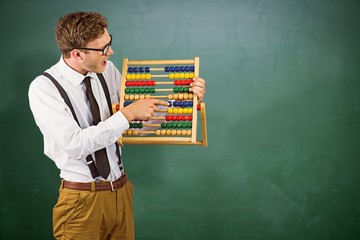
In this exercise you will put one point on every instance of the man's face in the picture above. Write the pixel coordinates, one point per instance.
(94, 61)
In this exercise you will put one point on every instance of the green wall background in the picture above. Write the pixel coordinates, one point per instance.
(283, 105)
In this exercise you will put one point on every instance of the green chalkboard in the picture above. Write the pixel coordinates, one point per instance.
(283, 114)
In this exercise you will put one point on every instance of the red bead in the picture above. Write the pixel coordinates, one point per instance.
(117, 107)
(152, 83)
(190, 118)
(147, 83)
(198, 107)
(181, 82)
(142, 83)
(127, 83)
(178, 118)
(176, 82)
(168, 118)
(133, 83)
(137, 83)
(173, 118)
(183, 118)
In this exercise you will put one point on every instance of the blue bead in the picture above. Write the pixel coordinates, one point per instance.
(147, 69)
(181, 69)
(192, 68)
(135, 69)
(176, 104)
(141, 69)
(130, 69)
(171, 69)
(176, 69)
(190, 104)
(170, 103)
(186, 68)
(166, 69)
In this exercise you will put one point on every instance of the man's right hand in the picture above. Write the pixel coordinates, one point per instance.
(142, 109)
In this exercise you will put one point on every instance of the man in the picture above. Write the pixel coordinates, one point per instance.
(70, 104)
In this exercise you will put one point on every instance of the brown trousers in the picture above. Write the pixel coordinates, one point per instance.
(97, 215)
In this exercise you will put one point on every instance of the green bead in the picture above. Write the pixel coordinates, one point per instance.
(186, 89)
(181, 89)
(184, 125)
(142, 90)
(137, 90)
(189, 125)
(127, 90)
(176, 89)
(168, 125)
(140, 125)
(152, 90)
(135, 125)
(173, 125)
(147, 90)
(163, 125)
(179, 125)
(132, 90)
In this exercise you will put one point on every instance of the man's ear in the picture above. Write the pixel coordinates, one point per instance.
(76, 54)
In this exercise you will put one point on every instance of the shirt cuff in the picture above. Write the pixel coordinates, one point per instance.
(118, 123)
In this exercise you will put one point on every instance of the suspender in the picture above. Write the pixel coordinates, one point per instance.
(64, 95)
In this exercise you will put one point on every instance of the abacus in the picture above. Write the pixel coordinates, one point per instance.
(144, 79)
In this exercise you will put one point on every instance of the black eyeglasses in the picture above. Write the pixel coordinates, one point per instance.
(104, 50)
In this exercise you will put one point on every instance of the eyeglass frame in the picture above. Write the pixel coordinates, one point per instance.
(107, 47)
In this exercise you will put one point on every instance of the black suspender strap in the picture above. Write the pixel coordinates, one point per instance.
(107, 95)
(90, 161)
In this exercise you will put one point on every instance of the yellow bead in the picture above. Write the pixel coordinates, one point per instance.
(126, 97)
(137, 76)
(168, 132)
(170, 110)
(186, 96)
(142, 96)
(177, 75)
(129, 132)
(173, 132)
(180, 111)
(163, 132)
(187, 75)
(188, 132)
(135, 132)
(171, 75)
(181, 96)
(157, 132)
(176, 96)
(143, 76)
(191, 75)
(178, 132)
(132, 97)
(191, 96)
(190, 110)
(147, 96)
(183, 132)
(128, 76)
(182, 75)
(148, 76)
(137, 97)
(185, 111)
(133, 76)
(170, 96)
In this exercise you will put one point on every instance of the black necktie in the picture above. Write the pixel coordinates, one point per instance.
(102, 162)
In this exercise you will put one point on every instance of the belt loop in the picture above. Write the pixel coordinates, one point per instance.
(61, 185)
(92, 186)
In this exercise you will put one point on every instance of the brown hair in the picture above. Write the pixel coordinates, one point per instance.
(75, 30)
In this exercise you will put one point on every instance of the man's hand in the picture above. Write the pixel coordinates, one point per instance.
(198, 88)
(142, 109)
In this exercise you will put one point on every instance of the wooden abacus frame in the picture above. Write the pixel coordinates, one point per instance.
(164, 140)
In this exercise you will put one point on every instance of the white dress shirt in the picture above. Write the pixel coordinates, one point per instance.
(65, 142)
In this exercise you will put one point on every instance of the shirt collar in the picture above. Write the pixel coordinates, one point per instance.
(74, 77)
